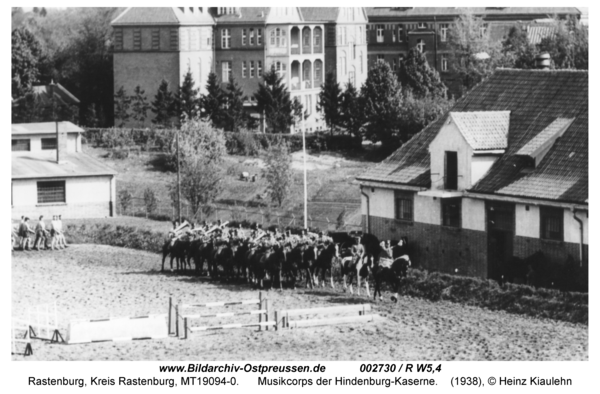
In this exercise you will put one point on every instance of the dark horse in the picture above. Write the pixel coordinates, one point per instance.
(325, 258)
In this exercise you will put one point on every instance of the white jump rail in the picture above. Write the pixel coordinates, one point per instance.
(117, 329)
(43, 323)
(181, 319)
(361, 317)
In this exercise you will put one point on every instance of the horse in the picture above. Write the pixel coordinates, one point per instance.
(392, 273)
(329, 253)
(309, 258)
(354, 262)
(176, 248)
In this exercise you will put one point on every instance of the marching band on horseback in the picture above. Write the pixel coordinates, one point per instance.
(230, 252)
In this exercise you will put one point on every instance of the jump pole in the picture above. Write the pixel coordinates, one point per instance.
(260, 304)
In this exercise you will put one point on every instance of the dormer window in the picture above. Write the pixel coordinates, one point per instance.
(226, 10)
(421, 45)
(422, 25)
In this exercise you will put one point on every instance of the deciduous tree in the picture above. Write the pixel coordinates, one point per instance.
(415, 74)
(352, 114)
(278, 172)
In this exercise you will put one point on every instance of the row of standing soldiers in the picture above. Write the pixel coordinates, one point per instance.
(46, 237)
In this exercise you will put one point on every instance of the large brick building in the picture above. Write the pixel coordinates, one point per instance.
(504, 173)
(301, 43)
(393, 31)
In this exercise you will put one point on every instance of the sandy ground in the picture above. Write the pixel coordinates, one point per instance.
(89, 281)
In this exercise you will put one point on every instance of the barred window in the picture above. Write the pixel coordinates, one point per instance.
(23, 145)
(551, 223)
(52, 191)
(259, 69)
(259, 37)
(48, 143)
(404, 206)
(451, 212)
(244, 69)
(244, 36)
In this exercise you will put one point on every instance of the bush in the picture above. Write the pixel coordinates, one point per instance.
(513, 298)
(119, 153)
(125, 200)
(150, 201)
(121, 236)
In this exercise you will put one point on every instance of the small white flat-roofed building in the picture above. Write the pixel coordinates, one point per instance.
(76, 186)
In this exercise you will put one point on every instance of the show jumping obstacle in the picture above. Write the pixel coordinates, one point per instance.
(362, 316)
(44, 319)
(118, 329)
(21, 326)
(181, 320)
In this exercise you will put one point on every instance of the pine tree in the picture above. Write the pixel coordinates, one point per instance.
(139, 105)
(273, 100)
(351, 112)
(329, 102)
(414, 73)
(213, 103)
(187, 97)
(163, 106)
(235, 116)
(122, 105)
(382, 102)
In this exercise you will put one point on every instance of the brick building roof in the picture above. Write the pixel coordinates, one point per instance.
(163, 16)
(418, 12)
(321, 14)
(243, 15)
(535, 99)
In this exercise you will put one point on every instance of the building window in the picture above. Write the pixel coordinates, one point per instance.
(483, 30)
(259, 37)
(23, 145)
(244, 70)
(344, 65)
(318, 73)
(317, 37)
(361, 62)
(422, 25)
(225, 38)
(451, 171)
(380, 33)
(259, 69)
(400, 32)
(48, 143)
(306, 38)
(444, 32)
(278, 37)
(118, 39)
(251, 68)
(380, 58)
(308, 102)
(51, 192)
(551, 223)
(226, 10)
(226, 71)
(251, 36)
(403, 206)
(137, 39)
(444, 62)
(421, 45)
(451, 212)
(244, 36)
(155, 39)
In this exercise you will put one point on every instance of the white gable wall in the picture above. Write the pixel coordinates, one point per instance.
(450, 138)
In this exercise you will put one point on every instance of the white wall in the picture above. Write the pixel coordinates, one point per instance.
(200, 64)
(79, 191)
(427, 210)
(381, 202)
(449, 138)
(473, 214)
(480, 164)
(528, 223)
(35, 144)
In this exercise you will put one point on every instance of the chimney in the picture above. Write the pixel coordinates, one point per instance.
(542, 61)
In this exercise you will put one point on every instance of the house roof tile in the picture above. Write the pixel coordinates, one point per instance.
(535, 99)
(44, 165)
(483, 130)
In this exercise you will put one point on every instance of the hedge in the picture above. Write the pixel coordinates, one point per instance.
(242, 143)
(518, 299)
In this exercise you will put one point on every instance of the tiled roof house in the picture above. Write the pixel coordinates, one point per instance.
(504, 173)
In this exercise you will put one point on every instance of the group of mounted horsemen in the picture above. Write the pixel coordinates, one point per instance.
(301, 257)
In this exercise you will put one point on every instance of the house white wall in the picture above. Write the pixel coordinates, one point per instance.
(480, 164)
(427, 210)
(449, 138)
(86, 197)
(381, 202)
(35, 143)
(473, 214)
